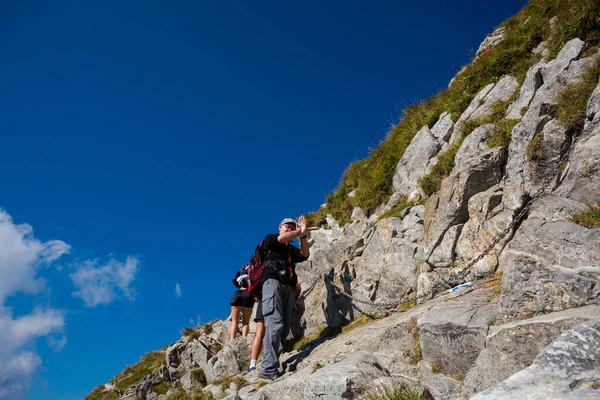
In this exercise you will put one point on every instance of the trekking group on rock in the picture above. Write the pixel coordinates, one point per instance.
(271, 278)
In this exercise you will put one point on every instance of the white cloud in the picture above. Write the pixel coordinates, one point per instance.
(178, 292)
(102, 284)
(57, 344)
(15, 332)
(21, 257)
(16, 373)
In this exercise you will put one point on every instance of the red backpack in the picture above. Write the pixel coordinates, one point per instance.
(255, 271)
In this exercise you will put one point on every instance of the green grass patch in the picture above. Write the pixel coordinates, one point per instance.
(226, 381)
(534, 150)
(362, 319)
(192, 333)
(432, 182)
(572, 101)
(502, 134)
(181, 394)
(417, 354)
(396, 211)
(162, 388)
(99, 394)
(322, 332)
(317, 366)
(199, 377)
(436, 367)
(589, 219)
(395, 392)
(408, 305)
(261, 384)
(133, 373)
(208, 327)
(371, 178)
(201, 395)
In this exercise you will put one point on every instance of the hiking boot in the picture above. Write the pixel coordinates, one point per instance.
(268, 377)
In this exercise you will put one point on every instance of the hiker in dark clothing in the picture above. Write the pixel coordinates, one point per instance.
(241, 300)
(278, 284)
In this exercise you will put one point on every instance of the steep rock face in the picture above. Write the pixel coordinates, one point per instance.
(473, 342)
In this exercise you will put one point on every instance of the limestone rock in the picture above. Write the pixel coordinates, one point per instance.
(483, 102)
(513, 346)
(567, 368)
(551, 264)
(582, 179)
(426, 144)
(344, 379)
(440, 386)
(491, 40)
(487, 218)
(452, 334)
(450, 207)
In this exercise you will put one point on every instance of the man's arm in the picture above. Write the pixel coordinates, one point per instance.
(304, 246)
(288, 236)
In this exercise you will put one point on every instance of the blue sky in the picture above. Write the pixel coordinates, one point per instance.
(151, 145)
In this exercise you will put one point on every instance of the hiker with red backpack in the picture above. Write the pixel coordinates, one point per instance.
(279, 282)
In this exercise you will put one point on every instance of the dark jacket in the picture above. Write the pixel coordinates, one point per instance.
(280, 260)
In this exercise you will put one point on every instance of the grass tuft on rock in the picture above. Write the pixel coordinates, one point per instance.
(199, 377)
(572, 101)
(396, 211)
(162, 388)
(99, 394)
(589, 219)
(133, 373)
(362, 319)
(395, 392)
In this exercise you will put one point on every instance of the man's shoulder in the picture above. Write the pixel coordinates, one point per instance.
(270, 239)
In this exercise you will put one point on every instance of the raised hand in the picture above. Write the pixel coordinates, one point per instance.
(302, 224)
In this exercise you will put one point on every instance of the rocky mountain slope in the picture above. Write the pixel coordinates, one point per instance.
(514, 220)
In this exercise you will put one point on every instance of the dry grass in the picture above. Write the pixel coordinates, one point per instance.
(589, 219)
(371, 178)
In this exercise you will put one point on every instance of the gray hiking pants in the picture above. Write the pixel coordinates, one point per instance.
(277, 306)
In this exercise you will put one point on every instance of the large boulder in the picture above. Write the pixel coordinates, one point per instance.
(346, 378)
(567, 368)
(453, 333)
(426, 144)
(513, 346)
(551, 264)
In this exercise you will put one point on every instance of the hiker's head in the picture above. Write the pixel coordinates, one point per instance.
(287, 225)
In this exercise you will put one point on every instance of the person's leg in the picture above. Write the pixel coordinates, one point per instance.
(257, 343)
(246, 314)
(235, 317)
(260, 335)
(288, 300)
(272, 307)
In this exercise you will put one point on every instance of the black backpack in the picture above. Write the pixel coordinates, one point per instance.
(241, 283)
